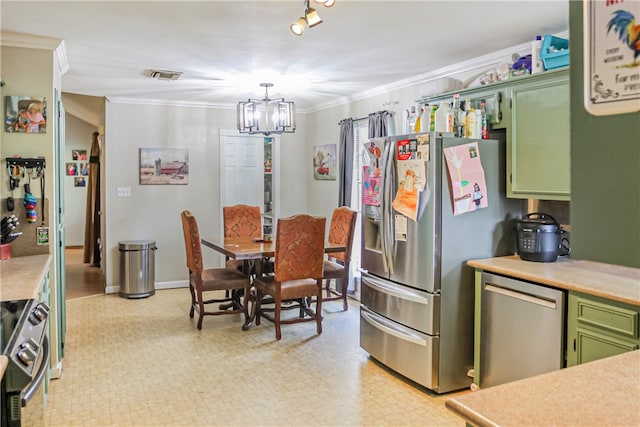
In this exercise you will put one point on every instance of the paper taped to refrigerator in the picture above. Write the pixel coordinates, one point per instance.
(467, 178)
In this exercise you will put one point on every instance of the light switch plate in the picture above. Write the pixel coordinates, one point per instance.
(124, 191)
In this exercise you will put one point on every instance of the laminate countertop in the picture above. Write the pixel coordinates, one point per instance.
(609, 281)
(21, 277)
(599, 393)
(4, 362)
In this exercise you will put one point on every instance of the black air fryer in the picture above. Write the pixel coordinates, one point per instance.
(540, 238)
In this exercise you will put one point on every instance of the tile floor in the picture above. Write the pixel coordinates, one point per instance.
(144, 363)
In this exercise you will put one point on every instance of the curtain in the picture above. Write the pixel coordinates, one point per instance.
(345, 169)
(378, 124)
(92, 215)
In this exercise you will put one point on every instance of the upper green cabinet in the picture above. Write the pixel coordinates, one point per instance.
(538, 139)
(534, 110)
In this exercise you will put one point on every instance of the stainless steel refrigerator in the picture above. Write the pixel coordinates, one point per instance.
(417, 300)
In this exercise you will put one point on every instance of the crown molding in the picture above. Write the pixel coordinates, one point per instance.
(32, 41)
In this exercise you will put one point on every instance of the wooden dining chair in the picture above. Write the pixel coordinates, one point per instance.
(202, 280)
(299, 255)
(241, 221)
(337, 266)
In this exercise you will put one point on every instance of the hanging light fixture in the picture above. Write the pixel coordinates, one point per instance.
(266, 116)
(310, 18)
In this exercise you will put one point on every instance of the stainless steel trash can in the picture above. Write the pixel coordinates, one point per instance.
(137, 268)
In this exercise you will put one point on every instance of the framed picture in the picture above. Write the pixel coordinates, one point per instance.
(25, 114)
(324, 162)
(72, 169)
(84, 169)
(79, 181)
(80, 155)
(164, 166)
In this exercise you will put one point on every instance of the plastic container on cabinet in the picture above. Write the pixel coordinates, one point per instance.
(554, 52)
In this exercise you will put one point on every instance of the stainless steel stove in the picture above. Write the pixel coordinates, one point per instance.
(23, 339)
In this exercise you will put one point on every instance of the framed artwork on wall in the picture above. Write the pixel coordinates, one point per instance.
(80, 155)
(324, 162)
(25, 114)
(72, 169)
(164, 166)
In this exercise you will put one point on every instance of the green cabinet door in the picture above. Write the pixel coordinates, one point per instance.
(538, 152)
(599, 328)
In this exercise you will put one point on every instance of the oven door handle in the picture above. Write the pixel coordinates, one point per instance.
(29, 392)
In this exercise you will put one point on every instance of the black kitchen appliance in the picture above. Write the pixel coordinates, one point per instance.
(541, 238)
(23, 339)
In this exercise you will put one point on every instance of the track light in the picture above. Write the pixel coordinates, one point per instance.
(311, 17)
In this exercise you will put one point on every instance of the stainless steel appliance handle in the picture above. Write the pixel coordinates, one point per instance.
(521, 296)
(396, 291)
(391, 329)
(28, 393)
(386, 208)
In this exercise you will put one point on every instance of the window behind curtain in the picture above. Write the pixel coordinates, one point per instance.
(360, 131)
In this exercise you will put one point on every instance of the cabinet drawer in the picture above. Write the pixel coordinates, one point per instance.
(609, 317)
(592, 346)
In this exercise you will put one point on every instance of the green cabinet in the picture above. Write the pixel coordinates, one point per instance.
(538, 138)
(534, 111)
(599, 328)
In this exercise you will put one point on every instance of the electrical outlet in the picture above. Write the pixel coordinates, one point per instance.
(124, 191)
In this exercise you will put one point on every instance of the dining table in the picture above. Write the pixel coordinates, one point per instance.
(253, 251)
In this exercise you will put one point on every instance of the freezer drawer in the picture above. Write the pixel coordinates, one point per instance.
(521, 330)
(406, 351)
(413, 308)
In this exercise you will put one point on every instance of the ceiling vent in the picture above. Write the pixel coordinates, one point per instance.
(163, 74)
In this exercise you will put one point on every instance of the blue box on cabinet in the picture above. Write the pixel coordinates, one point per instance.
(554, 52)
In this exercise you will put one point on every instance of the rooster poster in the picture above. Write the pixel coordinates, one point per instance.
(612, 57)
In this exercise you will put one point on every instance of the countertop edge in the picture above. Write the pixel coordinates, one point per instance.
(21, 277)
(565, 274)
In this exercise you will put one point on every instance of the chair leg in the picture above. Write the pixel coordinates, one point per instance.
(201, 309)
(258, 307)
(327, 287)
(193, 301)
(276, 318)
(319, 308)
(344, 284)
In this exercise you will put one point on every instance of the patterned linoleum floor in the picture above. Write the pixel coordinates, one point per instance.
(144, 363)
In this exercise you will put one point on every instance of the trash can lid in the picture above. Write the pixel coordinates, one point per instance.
(132, 245)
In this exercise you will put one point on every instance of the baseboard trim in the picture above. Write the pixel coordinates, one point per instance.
(114, 289)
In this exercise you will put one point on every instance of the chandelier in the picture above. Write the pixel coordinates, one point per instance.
(266, 116)
(310, 18)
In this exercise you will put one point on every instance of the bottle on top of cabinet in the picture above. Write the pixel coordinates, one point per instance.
(441, 117)
(457, 118)
(536, 61)
(484, 123)
(471, 124)
(425, 118)
(411, 120)
(432, 118)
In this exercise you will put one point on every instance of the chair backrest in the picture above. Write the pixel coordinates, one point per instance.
(299, 252)
(341, 231)
(242, 221)
(192, 242)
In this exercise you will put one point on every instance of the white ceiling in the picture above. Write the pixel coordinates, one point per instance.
(226, 48)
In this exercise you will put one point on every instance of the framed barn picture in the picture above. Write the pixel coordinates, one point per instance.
(164, 166)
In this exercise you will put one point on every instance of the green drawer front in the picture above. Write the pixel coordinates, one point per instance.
(608, 317)
(593, 346)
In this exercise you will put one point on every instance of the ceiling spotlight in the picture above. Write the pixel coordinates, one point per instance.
(311, 17)
(297, 27)
(326, 3)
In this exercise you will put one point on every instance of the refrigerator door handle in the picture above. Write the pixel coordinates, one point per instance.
(396, 291)
(392, 329)
(386, 209)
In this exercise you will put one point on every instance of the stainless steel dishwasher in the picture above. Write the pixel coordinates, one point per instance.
(521, 330)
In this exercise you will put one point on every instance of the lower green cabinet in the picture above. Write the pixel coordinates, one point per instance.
(599, 328)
